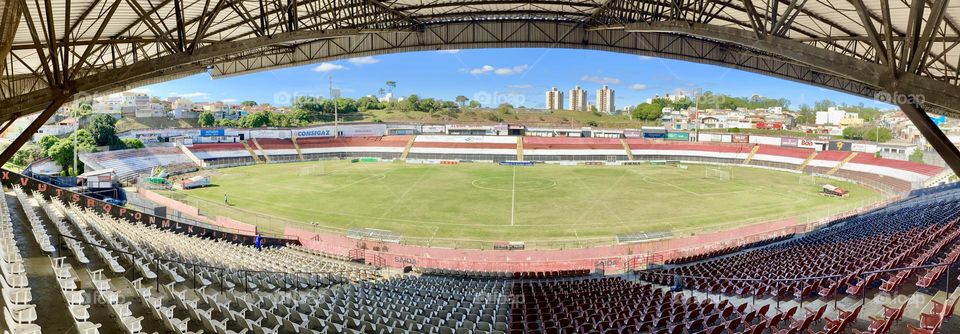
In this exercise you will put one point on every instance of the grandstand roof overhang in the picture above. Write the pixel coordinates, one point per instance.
(904, 51)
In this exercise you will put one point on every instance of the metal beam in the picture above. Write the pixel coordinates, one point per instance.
(939, 93)
(931, 132)
(9, 22)
(27, 133)
(872, 35)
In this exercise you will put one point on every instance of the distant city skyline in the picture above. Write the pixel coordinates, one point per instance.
(493, 76)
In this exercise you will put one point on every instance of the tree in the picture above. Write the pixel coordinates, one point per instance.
(46, 142)
(62, 151)
(154, 99)
(381, 91)
(28, 153)
(823, 105)
(461, 100)
(916, 156)
(474, 104)
(806, 115)
(256, 120)
(505, 108)
(299, 116)
(132, 143)
(682, 104)
(648, 111)
(103, 128)
(83, 109)
(874, 134)
(206, 119)
(392, 85)
(249, 103)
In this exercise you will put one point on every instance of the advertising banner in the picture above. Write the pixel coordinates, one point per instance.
(739, 138)
(837, 145)
(632, 133)
(211, 133)
(433, 129)
(684, 136)
(656, 135)
(789, 142)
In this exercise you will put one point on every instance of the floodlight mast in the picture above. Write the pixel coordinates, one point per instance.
(336, 117)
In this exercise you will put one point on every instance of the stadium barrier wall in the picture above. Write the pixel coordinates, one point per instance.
(614, 258)
(10, 179)
(194, 213)
(611, 258)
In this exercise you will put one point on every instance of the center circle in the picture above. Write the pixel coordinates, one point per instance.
(506, 183)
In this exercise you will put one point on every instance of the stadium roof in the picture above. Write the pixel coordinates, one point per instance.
(904, 51)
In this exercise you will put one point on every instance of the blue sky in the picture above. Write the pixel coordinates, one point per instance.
(517, 76)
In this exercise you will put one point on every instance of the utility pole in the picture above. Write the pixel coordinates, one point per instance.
(336, 116)
(696, 118)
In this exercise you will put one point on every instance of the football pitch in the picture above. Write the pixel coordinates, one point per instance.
(473, 202)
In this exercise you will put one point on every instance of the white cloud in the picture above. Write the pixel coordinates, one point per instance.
(194, 95)
(229, 100)
(600, 80)
(482, 69)
(449, 51)
(637, 86)
(511, 70)
(645, 57)
(523, 86)
(327, 67)
(363, 60)
(499, 70)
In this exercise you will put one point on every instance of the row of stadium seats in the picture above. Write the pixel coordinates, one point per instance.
(128, 164)
(902, 235)
(144, 279)
(726, 250)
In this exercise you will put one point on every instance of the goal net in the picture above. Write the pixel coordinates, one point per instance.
(808, 179)
(717, 173)
(313, 170)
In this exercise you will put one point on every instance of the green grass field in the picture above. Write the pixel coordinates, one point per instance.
(487, 202)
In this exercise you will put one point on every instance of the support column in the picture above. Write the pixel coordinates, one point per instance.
(9, 21)
(27, 133)
(931, 132)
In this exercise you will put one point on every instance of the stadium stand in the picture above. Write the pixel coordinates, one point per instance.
(148, 279)
(130, 163)
(278, 150)
(897, 236)
(892, 176)
(575, 149)
(351, 147)
(222, 154)
(487, 148)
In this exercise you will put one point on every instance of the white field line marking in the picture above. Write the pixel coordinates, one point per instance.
(513, 198)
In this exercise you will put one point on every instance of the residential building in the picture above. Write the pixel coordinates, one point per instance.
(605, 100)
(578, 99)
(554, 99)
(837, 116)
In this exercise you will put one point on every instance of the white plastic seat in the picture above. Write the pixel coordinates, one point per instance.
(88, 328)
(17, 327)
(80, 312)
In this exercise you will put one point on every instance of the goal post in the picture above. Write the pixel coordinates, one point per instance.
(808, 179)
(319, 169)
(718, 173)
